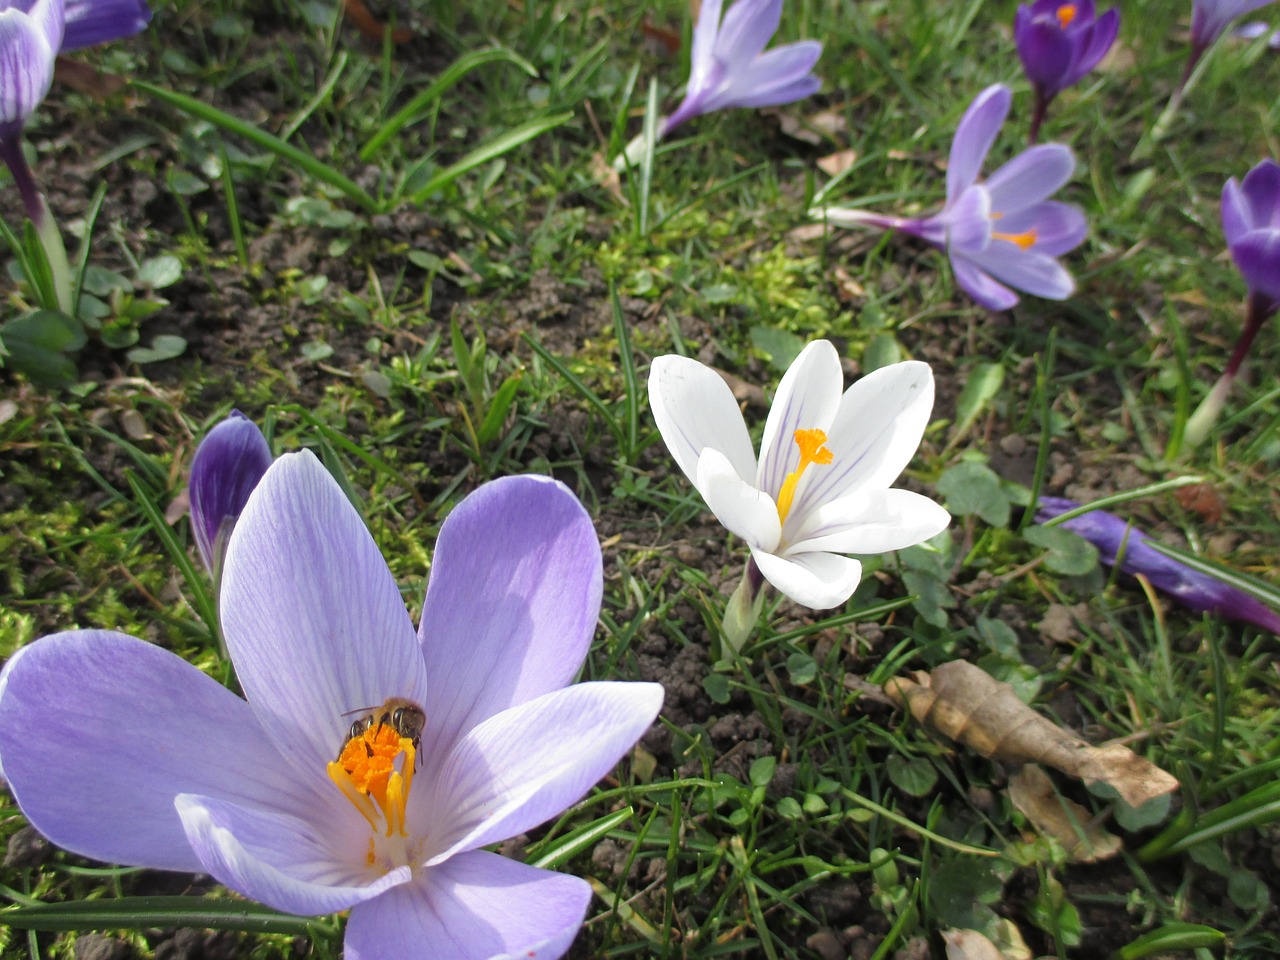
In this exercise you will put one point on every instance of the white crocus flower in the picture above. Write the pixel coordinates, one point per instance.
(821, 486)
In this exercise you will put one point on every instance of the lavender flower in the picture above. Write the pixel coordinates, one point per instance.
(729, 68)
(32, 33)
(479, 736)
(228, 464)
(1032, 230)
(1209, 18)
(1058, 44)
(1251, 222)
(1117, 539)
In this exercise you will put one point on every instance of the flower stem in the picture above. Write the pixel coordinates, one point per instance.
(1258, 309)
(1037, 117)
(742, 612)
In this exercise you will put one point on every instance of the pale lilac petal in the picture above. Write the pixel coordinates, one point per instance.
(772, 77)
(974, 137)
(287, 863)
(969, 222)
(1237, 217)
(746, 28)
(1026, 270)
(876, 521)
(703, 44)
(476, 906)
(1210, 17)
(26, 64)
(530, 763)
(100, 731)
(819, 581)
(743, 509)
(229, 463)
(1059, 227)
(1030, 177)
(312, 617)
(91, 22)
(1261, 189)
(511, 604)
(875, 433)
(984, 289)
(807, 399)
(772, 96)
(694, 410)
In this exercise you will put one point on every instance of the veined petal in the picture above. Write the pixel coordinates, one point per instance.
(744, 510)
(511, 604)
(26, 64)
(771, 76)
(100, 731)
(91, 22)
(969, 220)
(702, 48)
(1237, 217)
(1059, 227)
(876, 521)
(807, 399)
(747, 27)
(983, 288)
(314, 621)
(873, 437)
(1030, 177)
(1026, 270)
(695, 410)
(974, 136)
(283, 861)
(819, 581)
(476, 906)
(530, 763)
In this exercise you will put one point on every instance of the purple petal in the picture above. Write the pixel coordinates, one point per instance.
(1032, 176)
(1103, 35)
(807, 399)
(1210, 17)
(314, 621)
(974, 136)
(1059, 227)
(819, 581)
(779, 76)
(772, 96)
(228, 464)
(476, 906)
(511, 603)
(1025, 270)
(91, 22)
(695, 409)
(969, 220)
(1261, 190)
(702, 50)
(1257, 254)
(28, 46)
(1047, 53)
(527, 764)
(1197, 591)
(1237, 217)
(291, 864)
(100, 731)
(984, 289)
(747, 27)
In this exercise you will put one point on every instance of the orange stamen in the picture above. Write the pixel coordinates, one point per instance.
(1026, 240)
(366, 774)
(1066, 13)
(812, 450)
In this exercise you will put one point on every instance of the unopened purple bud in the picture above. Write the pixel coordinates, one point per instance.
(228, 464)
(1251, 222)
(1116, 538)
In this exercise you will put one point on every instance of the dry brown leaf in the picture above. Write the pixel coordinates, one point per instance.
(369, 25)
(603, 173)
(83, 78)
(834, 164)
(1053, 815)
(968, 705)
(814, 128)
(970, 945)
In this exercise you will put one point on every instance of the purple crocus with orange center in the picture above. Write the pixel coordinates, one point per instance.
(1119, 542)
(1002, 233)
(230, 461)
(1058, 43)
(467, 731)
(1251, 222)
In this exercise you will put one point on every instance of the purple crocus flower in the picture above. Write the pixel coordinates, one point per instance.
(1115, 538)
(483, 737)
(1002, 232)
(1251, 222)
(228, 464)
(1058, 44)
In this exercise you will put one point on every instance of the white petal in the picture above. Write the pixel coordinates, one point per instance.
(876, 521)
(744, 510)
(695, 410)
(873, 436)
(807, 399)
(816, 580)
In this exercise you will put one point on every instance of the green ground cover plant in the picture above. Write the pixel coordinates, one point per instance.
(416, 258)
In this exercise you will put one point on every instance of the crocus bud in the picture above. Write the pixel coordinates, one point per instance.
(1058, 43)
(228, 464)
(1251, 222)
(1117, 539)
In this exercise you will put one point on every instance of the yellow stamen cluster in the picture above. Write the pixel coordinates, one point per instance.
(812, 450)
(1026, 240)
(367, 775)
(1066, 13)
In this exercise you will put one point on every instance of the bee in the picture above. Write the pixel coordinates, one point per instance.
(403, 716)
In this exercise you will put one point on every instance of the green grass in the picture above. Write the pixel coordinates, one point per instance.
(505, 323)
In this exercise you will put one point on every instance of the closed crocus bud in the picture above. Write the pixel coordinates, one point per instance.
(1058, 44)
(227, 466)
(1117, 539)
